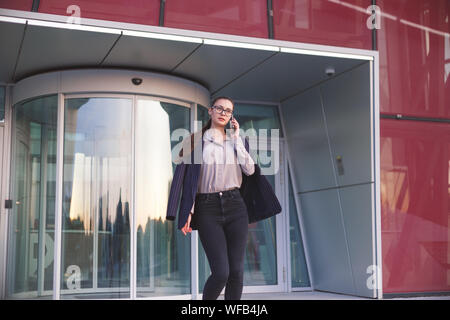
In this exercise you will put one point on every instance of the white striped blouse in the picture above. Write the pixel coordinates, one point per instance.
(221, 170)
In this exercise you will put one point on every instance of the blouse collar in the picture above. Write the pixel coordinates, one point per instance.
(213, 135)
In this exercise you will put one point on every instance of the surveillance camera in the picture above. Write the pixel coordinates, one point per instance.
(330, 71)
(136, 81)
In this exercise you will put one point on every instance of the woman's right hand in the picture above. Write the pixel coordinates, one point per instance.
(187, 227)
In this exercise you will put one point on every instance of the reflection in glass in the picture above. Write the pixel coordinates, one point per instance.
(202, 115)
(251, 116)
(33, 172)
(261, 253)
(203, 266)
(96, 197)
(163, 253)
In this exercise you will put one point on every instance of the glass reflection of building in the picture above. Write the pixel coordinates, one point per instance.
(96, 208)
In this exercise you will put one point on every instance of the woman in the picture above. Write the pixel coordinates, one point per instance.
(220, 197)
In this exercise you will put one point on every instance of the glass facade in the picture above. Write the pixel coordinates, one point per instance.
(142, 12)
(117, 173)
(414, 47)
(329, 22)
(414, 50)
(415, 194)
(247, 18)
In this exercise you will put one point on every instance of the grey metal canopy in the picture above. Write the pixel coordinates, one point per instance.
(247, 68)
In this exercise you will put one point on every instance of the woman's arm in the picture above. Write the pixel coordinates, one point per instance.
(244, 159)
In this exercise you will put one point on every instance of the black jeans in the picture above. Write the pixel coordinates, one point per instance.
(222, 224)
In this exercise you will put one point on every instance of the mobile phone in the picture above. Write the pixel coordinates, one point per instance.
(231, 125)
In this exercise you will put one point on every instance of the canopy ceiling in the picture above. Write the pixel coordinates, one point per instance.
(244, 68)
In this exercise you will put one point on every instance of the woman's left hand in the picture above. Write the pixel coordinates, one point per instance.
(187, 227)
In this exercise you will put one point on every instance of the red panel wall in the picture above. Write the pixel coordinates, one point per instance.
(136, 11)
(25, 5)
(415, 57)
(336, 23)
(415, 156)
(415, 202)
(245, 18)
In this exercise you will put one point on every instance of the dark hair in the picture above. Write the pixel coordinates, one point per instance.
(208, 123)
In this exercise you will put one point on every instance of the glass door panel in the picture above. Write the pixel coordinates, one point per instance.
(260, 264)
(261, 254)
(261, 260)
(97, 173)
(31, 229)
(163, 253)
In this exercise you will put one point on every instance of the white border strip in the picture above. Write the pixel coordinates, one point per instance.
(235, 44)
(58, 200)
(153, 35)
(71, 26)
(377, 180)
(13, 20)
(326, 54)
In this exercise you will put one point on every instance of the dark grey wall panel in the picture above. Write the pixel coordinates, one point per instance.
(148, 54)
(346, 101)
(218, 65)
(307, 142)
(330, 266)
(47, 48)
(327, 121)
(10, 39)
(289, 74)
(357, 213)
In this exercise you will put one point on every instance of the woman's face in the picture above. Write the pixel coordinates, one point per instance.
(220, 119)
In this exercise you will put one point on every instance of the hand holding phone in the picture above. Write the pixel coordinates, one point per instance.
(231, 122)
(234, 125)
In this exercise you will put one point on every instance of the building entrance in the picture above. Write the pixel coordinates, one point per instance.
(90, 176)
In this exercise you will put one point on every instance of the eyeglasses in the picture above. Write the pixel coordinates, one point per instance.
(220, 110)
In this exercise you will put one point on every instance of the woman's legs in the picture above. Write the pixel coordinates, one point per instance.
(223, 229)
(214, 243)
(236, 234)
